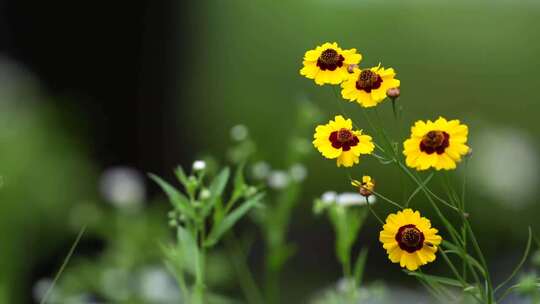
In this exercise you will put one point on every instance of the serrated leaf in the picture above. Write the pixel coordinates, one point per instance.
(219, 229)
(177, 199)
(216, 190)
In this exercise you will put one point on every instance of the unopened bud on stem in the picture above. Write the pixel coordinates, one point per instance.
(351, 68)
(393, 93)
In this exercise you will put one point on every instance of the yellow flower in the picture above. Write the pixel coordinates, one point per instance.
(366, 186)
(439, 144)
(368, 87)
(338, 140)
(409, 239)
(328, 63)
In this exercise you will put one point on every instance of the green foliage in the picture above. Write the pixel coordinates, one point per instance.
(200, 208)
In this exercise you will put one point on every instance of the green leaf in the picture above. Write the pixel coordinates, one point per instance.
(457, 251)
(434, 278)
(188, 249)
(216, 190)
(359, 266)
(228, 222)
(181, 176)
(177, 199)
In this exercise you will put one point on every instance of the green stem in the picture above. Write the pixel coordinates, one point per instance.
(245, 277)
(373, 211)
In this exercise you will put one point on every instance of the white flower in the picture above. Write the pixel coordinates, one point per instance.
(329, 197)
(353, 198)
(278, 179)
(260, 170)
(298, 172)
(157, 286)
(123, 187)
(239, 132)
(346, 198)
(199, 165)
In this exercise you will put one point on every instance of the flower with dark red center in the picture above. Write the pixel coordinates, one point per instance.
(368, 87)
(343, 139)
(368, 80)
(409, 239)
(435, 141)
(338, 140)
(328, 63)
(439, 144)
(330, 59)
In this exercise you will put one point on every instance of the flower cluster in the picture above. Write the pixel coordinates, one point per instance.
(407, 237)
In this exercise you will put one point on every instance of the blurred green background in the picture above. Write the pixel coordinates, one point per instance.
(236, 62)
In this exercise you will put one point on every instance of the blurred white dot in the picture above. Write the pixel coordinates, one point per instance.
(116, 283)
(353, 198)
(329, 197)
(158, 286)
(199, 165)
(278, 179)
(123, 187)
(260, 170)
(40, 289)
(298, 172)
(239, 132)
(505, 165)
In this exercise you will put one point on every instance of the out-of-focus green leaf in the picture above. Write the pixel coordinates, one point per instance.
(177, 199)
(216, 190)
(188, 249)
(359, 266)
(223, 226)
(434, 278)
(181, 176)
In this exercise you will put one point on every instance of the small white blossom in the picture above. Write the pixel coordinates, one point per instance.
(260, 170)
(199, 165)
(298, 172)
(205, 193)
(123, 187)
(278, 179)
(239, 132)
(329, 197)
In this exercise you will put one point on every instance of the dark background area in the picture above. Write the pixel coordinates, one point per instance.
(112, 66)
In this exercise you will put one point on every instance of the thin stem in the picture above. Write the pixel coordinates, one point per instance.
(245, 277)
(64, 264)
(372, 211)
(387, 199)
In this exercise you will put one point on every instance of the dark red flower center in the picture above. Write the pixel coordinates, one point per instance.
(330, 60)
(368, 80)
(410, 238)
(435, 141)
(343, 139)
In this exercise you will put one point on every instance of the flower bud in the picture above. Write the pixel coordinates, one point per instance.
(351, 68)
(393, 93)
(199, 165)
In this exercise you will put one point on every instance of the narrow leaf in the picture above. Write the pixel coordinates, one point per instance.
(177, 199)
(181, 175)
(228, 222)
(438, 279)
(359, 266)
(216, 190)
